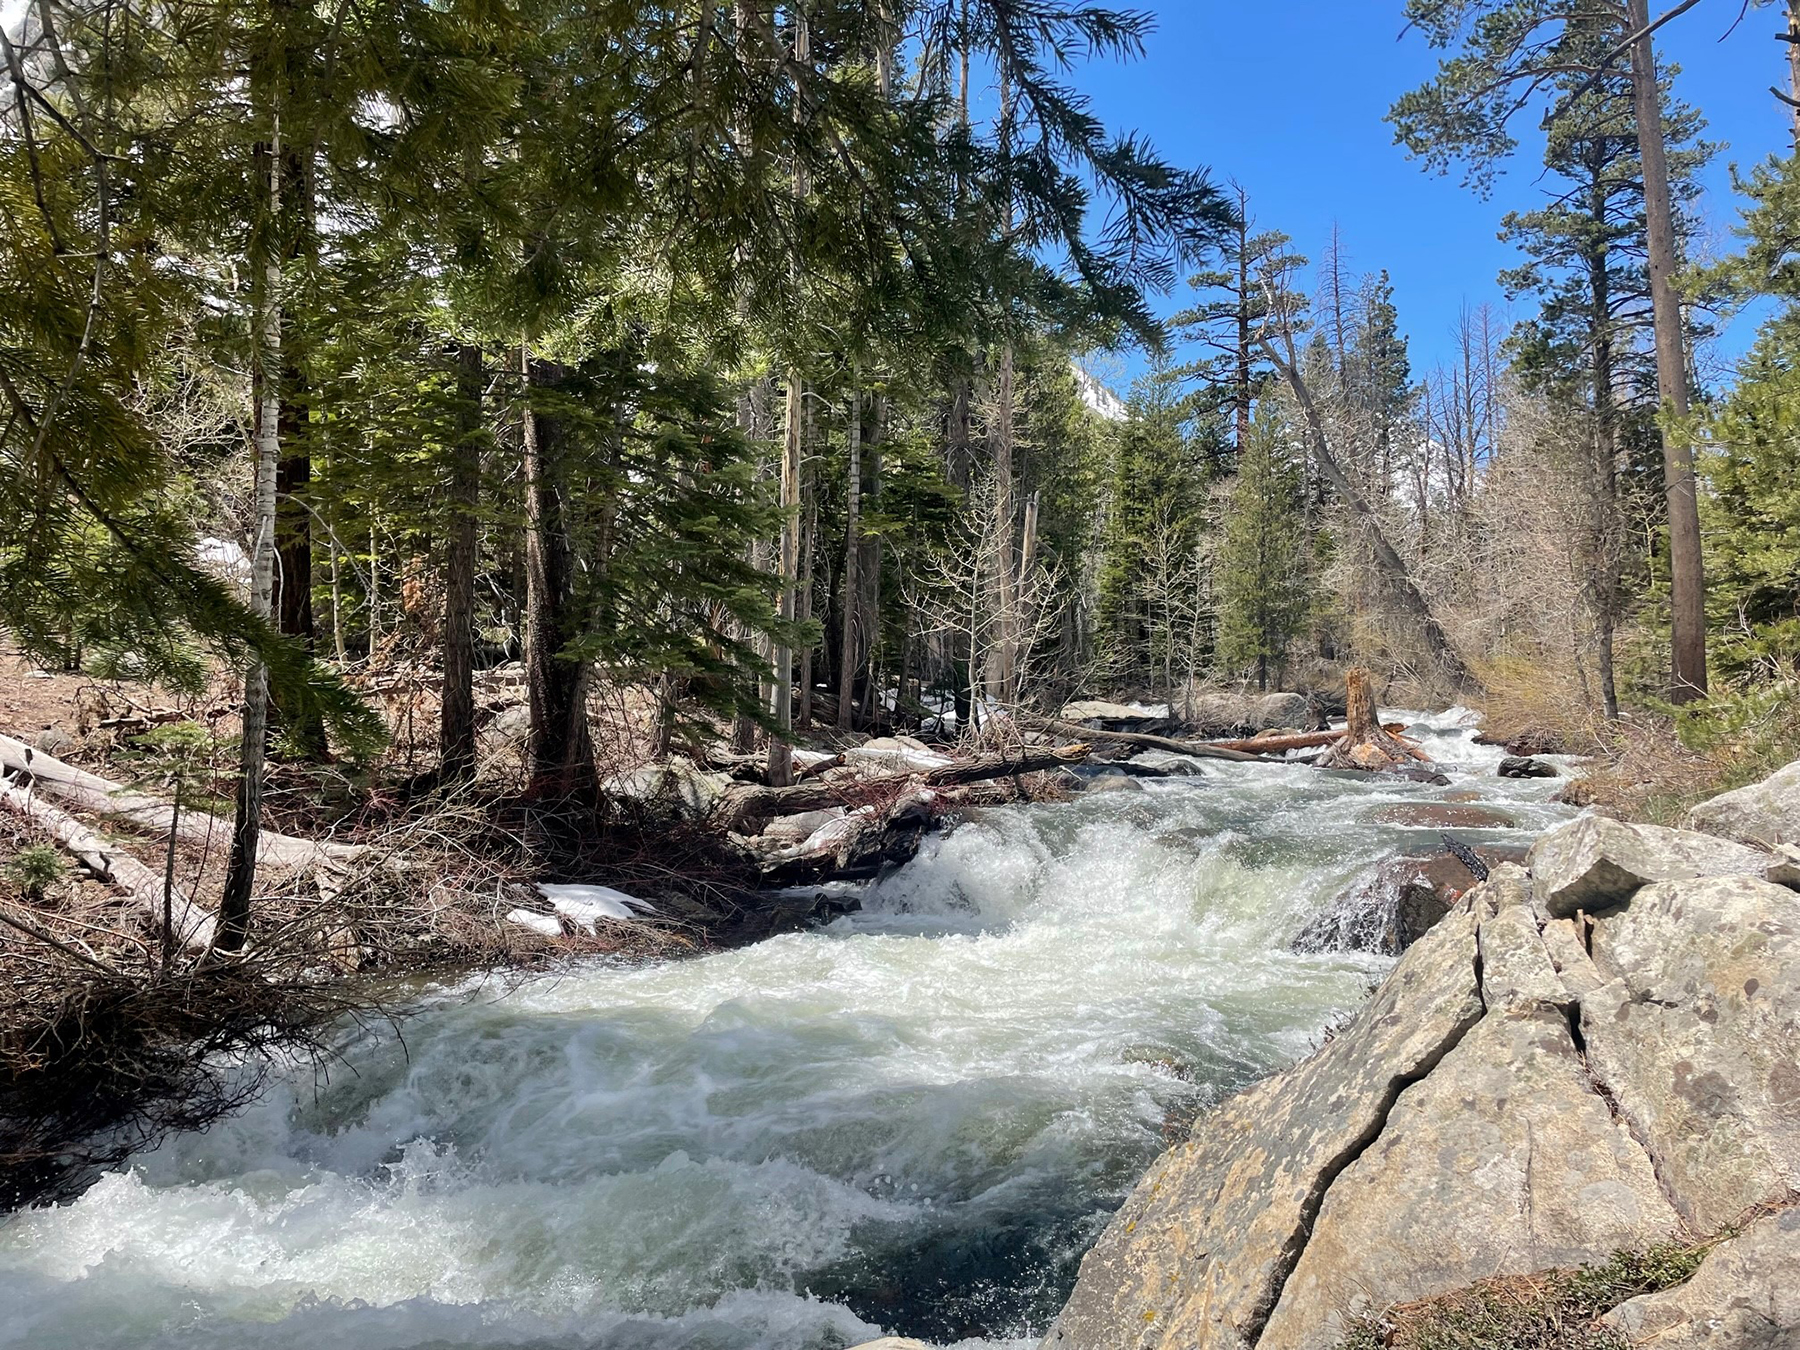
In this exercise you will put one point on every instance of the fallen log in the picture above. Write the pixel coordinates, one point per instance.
(1198, 749)
(192, 925)
(747, 802)
(1277, 744)
(90, 792)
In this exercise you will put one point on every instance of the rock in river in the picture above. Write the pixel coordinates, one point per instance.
(1524, 1091)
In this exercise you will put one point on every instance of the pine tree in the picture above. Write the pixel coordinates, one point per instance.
(1262, 576)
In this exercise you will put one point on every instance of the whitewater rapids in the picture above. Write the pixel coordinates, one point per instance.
(913, 1120)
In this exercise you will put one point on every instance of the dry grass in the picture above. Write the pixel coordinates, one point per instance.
(1551, 1310)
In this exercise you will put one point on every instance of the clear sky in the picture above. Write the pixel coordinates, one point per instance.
(1288, 96)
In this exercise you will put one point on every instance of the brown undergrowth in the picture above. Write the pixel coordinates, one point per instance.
(1651, 764)
(1549, 1310)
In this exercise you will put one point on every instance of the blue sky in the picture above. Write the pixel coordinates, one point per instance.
(1288, 96)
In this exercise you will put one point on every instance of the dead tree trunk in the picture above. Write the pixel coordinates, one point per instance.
(1366, 744)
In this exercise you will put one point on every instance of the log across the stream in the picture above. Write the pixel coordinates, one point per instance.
(749, 801)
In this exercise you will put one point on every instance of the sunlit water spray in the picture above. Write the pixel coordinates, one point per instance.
(913, 1120)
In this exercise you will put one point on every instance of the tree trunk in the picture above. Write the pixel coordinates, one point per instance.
(1006, 563)
(561, 753)
(240, 868)
(781, 760)
(456, 732)
(1792, 38)
(849, 658)
(1687, 577)
(809, 543)
(1366, 744)
(1604, 567)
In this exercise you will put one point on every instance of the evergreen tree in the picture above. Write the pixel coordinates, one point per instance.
(1262, 575)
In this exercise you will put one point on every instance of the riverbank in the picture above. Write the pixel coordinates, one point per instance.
(914, 1117)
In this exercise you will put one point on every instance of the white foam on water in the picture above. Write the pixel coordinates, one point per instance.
(912, 1119)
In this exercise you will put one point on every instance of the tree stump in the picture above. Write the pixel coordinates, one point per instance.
(1366, 744)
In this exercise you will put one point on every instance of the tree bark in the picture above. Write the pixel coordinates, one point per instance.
(1687, 576)
(240, 869)
(781, 760)
(848, 650)
(561, 752)
(456, 732)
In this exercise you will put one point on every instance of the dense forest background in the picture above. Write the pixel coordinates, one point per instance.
(720, 364)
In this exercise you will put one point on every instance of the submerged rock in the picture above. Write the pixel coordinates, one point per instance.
(1403, 900)
(1444, 816)
(1764, 814)
(1524, 1091)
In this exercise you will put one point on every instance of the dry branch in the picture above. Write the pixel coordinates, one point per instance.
(112, 864)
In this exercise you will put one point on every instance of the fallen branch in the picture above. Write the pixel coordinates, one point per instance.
(113, 865)
(90, 792)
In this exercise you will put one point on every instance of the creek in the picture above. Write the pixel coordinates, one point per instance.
(915, 1119)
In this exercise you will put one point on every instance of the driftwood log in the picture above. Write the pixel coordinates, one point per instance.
(1366, 744)
(747, 802)
(1278, 744)
(90, 792)
(1198, 749)
(192, 925)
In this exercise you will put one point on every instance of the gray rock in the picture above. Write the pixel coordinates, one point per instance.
(1516, 969)
(1764, 814)
(1247, 714)
(1114, 782)
(1099, 710)
(1521, 766)
(892, 1343)
(1594, 862)
(54, 741)
(1503, 1161)
(1785, 870)
(1169, 763)
(673, 791)
(1697, 1035)
(1197, 1257)
(1745, 1296)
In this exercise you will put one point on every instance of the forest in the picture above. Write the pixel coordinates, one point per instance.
(423, 424)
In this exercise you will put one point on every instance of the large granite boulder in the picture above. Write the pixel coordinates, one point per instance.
(1596, 861)
(1503, 1158)
(1697, 1032)
(1228, 714)
(1581, 1060)
(1764, 814)
(1745, 1296)
(672, 791)
(1199, 1254)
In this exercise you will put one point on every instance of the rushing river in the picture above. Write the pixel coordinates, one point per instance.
(913, 1120)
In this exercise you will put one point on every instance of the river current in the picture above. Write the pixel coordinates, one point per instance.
(913, 1120)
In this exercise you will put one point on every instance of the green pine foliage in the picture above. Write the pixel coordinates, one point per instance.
(1263, 574)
